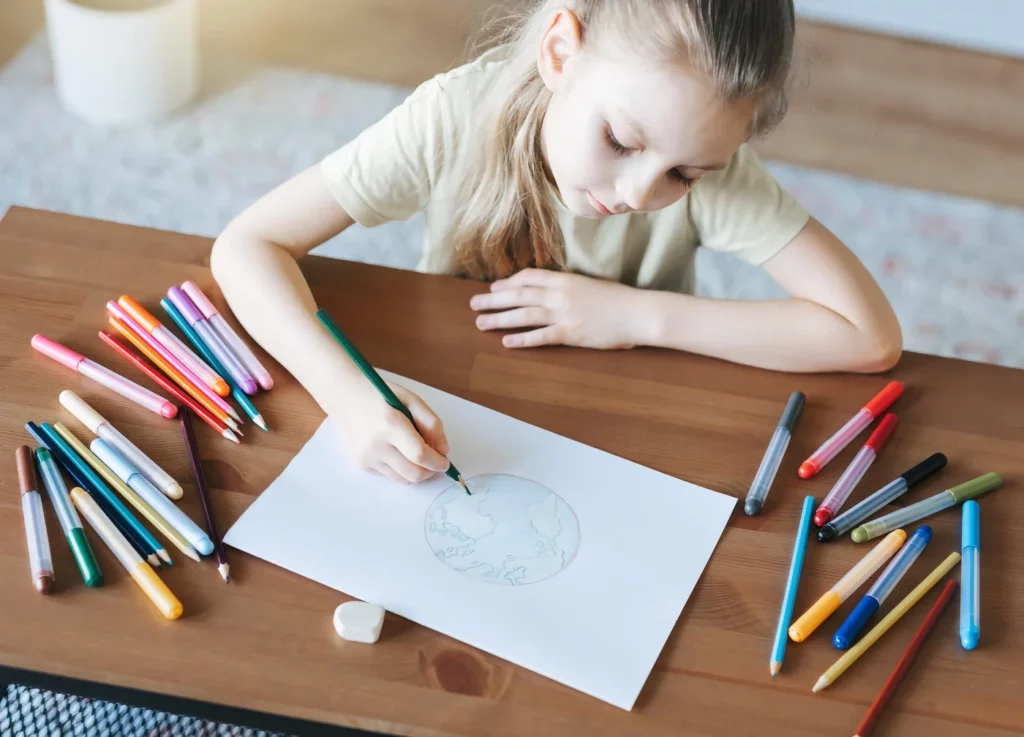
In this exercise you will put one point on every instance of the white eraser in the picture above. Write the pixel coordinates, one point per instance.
(358, 621)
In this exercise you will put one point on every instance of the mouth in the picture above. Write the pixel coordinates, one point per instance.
(596, 204)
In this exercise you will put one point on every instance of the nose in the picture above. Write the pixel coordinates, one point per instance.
(639, 191)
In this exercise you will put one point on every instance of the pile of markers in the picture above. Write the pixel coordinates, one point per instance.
(897, 548)
(112, 474)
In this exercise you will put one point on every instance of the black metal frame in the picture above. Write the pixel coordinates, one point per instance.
(174, 704)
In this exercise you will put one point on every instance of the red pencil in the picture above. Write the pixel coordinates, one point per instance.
(174, 391)
(871, 719)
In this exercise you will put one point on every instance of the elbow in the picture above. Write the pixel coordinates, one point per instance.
(882, 350)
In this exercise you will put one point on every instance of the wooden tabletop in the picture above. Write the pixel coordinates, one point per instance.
(265, 642)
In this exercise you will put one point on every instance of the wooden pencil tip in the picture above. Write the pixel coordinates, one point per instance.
(165, 557)
(153, 560)
(820, 685)
(258, 419)
(776, 667)
(223, 569)
(232, 437)
(193, 555)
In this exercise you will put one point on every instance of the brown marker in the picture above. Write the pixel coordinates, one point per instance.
(35, 524)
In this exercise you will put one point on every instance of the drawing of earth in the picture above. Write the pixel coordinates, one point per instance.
(510, 531)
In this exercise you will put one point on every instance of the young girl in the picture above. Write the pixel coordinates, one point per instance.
(576, 167)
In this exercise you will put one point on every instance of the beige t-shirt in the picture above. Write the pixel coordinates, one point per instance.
(399, 166)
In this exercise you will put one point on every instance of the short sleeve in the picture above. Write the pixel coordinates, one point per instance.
(744, 211)
(388, 171)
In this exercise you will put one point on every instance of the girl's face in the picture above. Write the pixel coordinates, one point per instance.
(624, 135)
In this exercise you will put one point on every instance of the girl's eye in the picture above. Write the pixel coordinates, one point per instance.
(677, 175)
(614, 142)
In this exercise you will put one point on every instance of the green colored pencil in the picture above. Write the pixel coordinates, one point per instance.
(385, 391)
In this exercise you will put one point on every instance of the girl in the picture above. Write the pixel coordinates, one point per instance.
(576, 167)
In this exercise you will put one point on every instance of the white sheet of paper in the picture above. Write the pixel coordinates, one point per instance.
(591, 610)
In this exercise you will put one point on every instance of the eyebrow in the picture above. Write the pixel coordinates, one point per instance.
(637, 131)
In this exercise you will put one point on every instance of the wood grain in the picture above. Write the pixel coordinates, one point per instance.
(265, 642)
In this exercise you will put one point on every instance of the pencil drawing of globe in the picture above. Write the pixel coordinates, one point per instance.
(510, 531)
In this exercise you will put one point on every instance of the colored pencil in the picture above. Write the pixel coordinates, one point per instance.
(792, 583)
(172, 389)
(175, 347)
(85, 477)
(39, 558)
(850, 657)
(378, 383)
(183, 370)
(906, 660)
(158, 360)
(128, 494)
(237, 393)
(204, 493)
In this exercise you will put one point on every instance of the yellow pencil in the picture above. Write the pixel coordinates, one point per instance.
(129, 495)
(839, 667)
(139, 569)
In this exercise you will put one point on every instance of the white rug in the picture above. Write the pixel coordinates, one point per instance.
(952, 267)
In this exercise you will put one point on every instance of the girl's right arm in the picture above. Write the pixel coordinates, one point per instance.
(254, 262)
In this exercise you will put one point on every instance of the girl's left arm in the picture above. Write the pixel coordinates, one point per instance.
(835, 319)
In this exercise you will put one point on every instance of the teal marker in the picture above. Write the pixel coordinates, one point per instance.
(970, 584)
(68, 516)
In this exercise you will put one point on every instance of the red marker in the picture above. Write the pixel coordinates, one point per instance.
(831, 447)
(855, 471)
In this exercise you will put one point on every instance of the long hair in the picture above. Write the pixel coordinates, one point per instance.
(506, 220)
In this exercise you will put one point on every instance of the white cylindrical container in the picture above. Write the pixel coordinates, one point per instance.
(118, 62)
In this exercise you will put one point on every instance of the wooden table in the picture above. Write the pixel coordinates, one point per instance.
(262, 651)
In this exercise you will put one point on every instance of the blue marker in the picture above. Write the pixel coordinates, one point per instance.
(970, 585)
(789, 598)
(848, 631)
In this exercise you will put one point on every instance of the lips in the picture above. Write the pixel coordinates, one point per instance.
(596, 204)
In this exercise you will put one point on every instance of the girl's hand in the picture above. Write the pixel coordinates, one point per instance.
(567, 309)
(380, 438)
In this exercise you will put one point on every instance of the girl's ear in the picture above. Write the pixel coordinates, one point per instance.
(560, 44)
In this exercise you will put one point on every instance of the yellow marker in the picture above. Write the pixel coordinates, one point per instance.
(851, 655)
(139, 569)
(822, 609)
(129, 494)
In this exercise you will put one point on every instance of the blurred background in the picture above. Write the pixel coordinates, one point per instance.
(905, 136)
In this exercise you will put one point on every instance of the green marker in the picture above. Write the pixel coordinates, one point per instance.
(927, 507)
(68, 516)
(370, 373)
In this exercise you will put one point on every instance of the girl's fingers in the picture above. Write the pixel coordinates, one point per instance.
(529, 278)
(551, 335)
(415, 449)
(387, 472)
(509, 297)
(521, 318)
(407, 472)
(427, 422)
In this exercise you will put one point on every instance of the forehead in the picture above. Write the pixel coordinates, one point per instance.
(677, 109)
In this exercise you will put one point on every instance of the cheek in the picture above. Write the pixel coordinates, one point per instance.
(577, 153)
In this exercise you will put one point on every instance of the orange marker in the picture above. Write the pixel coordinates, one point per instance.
(178, 349)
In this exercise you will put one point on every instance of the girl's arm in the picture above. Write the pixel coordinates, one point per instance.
(836, 318)
(254, 262)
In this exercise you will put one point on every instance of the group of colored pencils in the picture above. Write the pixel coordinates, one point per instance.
(112, 473)
(896, 549)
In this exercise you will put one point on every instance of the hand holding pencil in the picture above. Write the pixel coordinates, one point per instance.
(405, 447)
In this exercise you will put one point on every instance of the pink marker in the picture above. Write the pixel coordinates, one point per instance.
(120, 314)
(851, 430)
(104, 376)
(213, 341)
(230, 338)
(855, 471)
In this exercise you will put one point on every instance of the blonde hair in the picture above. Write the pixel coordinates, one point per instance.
(506, 220)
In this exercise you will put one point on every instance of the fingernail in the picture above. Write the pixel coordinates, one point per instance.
(481, 322)
(476, 302)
